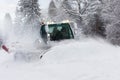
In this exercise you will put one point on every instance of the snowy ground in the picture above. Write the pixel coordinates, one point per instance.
(78, 60)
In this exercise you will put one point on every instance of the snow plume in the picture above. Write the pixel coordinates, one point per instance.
(27, 32)
(27, 21)
(22, 42)
(6, 27)
(20, 36)
(12, 33)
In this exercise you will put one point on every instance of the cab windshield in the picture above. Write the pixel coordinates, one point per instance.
(57, 31)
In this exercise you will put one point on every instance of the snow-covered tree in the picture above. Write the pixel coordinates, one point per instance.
(71, 8)
(83, 12)
(94, 26)
(52, 11)
(113, 33)
(8, 20)
(56, 11)
(75, 9)
(65, 5)
(111, 14)
(30, 11)
(8, 26)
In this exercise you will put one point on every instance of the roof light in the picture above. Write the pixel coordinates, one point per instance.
(66, 21)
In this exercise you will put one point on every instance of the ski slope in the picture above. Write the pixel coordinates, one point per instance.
(77, 60)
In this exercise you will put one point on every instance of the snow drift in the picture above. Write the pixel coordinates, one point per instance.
(82, 50)
(75, 60)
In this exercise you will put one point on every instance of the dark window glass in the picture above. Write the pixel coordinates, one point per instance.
(58, 31)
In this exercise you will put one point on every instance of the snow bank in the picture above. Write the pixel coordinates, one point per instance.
(77, 60)
(81, 50)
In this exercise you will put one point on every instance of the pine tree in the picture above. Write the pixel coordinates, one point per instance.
(28, 17)
(52, 11)
(8, 20)
(30, 11)
(8, 26)
(56, 11)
